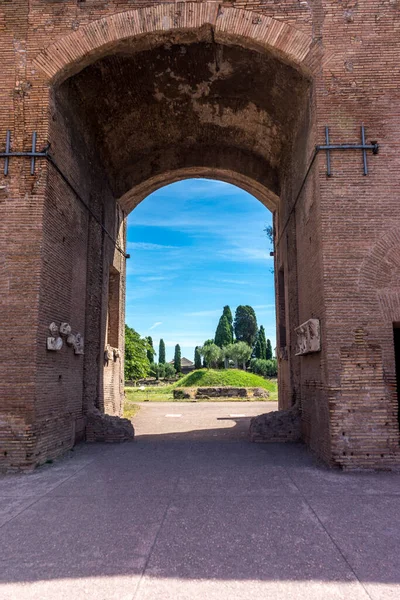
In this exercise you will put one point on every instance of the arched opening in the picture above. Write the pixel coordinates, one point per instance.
(198, 248)
(139, 116)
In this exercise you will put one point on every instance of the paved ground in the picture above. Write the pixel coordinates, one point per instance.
(177, 516)
(198, 420)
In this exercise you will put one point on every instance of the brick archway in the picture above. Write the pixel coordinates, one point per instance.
(147, 26)
(230, 126)
(132, 198)
(119, 128)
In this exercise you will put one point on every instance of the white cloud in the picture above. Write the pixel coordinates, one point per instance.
(235, 281)
(243, 254)
(148, 246)
(157, 278)
(178, 222)
(157, 324)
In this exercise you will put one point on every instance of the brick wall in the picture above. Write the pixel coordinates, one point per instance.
(330, 64)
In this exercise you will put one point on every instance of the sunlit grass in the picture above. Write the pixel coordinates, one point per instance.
(225, 377)
(130, 410)
(205, 378)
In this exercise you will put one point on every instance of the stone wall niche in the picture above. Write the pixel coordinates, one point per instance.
(308, 337)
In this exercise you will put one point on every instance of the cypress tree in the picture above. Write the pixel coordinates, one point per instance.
(228, 314)
(268, 354)
(223, 334)
(177, 358)
(258, 350)
(263, 342)
(150, 351)
(197, 358)
(161, 353)
(246, 325)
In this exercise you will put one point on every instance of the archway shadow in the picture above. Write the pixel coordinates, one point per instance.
(198, 510)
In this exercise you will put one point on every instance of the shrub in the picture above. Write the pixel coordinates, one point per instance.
(169, 371)
(212, 354)
(239, 353)
(158, 370)
(265, 368)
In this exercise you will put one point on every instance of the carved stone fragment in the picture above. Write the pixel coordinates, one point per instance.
(308, 337)
(53, 328)
(65, 329)
(79, 344)
(54, 343)
(71, 340)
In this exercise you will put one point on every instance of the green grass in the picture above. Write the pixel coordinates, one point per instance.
(232, 377)
(150, 394)
(204, 378)
(130, 409)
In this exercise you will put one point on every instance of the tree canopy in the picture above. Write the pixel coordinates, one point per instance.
(169, 371)
(228, 314)
(177, 358)
(137, 364)
(245, 325)
(161, 352)
(260, 348)
(224, 333)
(265, 368)
(150, 350)
(211, 353)
(240, 353)
(197, 358)
(268, 354)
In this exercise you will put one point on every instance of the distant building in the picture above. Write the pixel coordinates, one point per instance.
(186, 365)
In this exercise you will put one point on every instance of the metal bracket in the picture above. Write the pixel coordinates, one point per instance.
(328, 147)
(33, 154)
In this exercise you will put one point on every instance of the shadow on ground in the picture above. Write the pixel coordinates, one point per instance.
(173, 516)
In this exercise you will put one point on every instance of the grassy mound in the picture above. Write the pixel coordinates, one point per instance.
(232, 377)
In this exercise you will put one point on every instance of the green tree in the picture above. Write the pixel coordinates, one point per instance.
(206, 343)
(161, 353)
(137, 364)
(268, 352)
(211, 353)
(263, 342)
(197, 358)
(260, 348)
(228, 314)
(150, 351)
(223, 334)
(158, 370)
(265, 368)
(245, 325)
(169, 371)
(240, 353)
(257, 352)
(177, 358)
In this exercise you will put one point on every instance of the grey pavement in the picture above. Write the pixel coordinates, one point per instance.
(184, 514)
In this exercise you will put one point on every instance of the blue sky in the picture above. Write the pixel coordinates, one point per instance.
(195, 246)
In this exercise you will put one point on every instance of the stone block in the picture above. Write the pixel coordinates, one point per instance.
(106, 428)
(308, 337)
(278, 426)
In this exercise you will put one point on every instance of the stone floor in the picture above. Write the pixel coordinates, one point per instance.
(179, 515)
